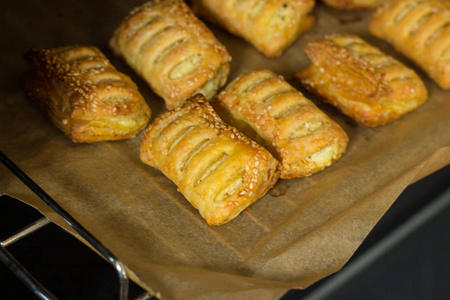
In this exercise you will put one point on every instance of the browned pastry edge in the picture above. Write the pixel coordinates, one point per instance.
(360, 80)
(269, 110)
(420, 30)
(218, 169)
(174, 33)
(70, 96)
(256, 24)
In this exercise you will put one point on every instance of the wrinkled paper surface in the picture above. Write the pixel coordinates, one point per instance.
(301, 231)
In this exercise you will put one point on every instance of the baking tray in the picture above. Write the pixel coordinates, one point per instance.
(289, 239)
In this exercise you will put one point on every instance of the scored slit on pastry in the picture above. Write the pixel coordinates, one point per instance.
(219, 170)
(421, 31)
(290, 110)
(172, 50)
(231, 186)
(209, 167)
(275, 114)
(184, 132)
(360, 80)
(84, 95)
(199, 147)
(308, 127)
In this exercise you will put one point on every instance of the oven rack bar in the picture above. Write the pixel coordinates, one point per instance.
(15, 266)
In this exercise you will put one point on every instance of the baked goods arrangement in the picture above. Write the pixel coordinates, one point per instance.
(82, 93)
(269, 110)
(218, 169)
(177, 55)
(360, 80)
(420, 30)
(225, 155)
(270, 26)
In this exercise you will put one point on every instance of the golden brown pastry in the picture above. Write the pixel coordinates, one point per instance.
(354, 4)
(79, 90)
(360, 80)
(273, 113)
(270, 25)
(172, 50)
(219, 170)
(420, 30)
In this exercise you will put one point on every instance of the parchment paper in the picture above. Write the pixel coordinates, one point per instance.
(301, 231)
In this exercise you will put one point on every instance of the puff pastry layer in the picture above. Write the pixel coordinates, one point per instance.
(360, 80)
(219, 170)
(82, 93)
(270, 25)
(296, 132)
(172, 50)
(354, 4)
(420, 30)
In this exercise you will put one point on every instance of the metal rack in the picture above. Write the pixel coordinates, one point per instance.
(21, 272)
(393, 231)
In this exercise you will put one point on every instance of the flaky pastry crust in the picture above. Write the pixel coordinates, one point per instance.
(271, 26)
(177, 55)
(265, 107)
(420, 30)
(219, 170)
(82, 93)
(360, 80)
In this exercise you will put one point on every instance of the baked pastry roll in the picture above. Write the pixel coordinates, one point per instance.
(420, 30)
(82, 93)
(270, 25)
(360, 80)
(354, 4)
(273, 113)
(219, 170)
(172, 50)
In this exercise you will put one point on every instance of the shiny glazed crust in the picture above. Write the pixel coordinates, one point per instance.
(270, 25)
(296, 132)
(218, 169)
(172, 50)
(354, 4)
(79, 90)
(360, 80)
(420, 30)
